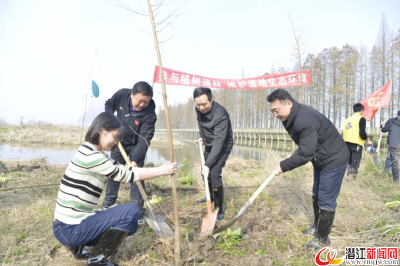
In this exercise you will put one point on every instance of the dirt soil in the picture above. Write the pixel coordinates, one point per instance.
(269, 233)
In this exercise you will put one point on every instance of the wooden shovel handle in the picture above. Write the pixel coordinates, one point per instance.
(141, 190)
(208, 197)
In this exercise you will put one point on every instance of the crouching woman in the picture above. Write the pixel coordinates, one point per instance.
(76, 223)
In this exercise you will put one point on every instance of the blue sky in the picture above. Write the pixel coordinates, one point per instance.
(46, 47)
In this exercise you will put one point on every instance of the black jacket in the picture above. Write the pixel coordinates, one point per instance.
(216, 131)
(393, 127)
(318, 140)
(143, 123)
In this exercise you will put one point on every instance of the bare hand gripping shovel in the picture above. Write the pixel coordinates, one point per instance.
(246, 205)
(209, 220)
(155, 221)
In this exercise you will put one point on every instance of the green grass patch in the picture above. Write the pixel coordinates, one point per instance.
(3, 178)
(260, 252)
(393, 231)
(303, 260)
(16, 174)
(186, 230)
(276, 242)
(21, 235)
(56, 245)
(186, 181)
(147, 231)
(152, 256)
(20, 250)
(275, 262)
(185, 173)
(4, 130)
(230, 240)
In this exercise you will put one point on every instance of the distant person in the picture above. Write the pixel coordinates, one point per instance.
(76, 223)
(216, 134)
(387, 160)
(136, 110)
(393, 127)
(320, 143)
(354, 135)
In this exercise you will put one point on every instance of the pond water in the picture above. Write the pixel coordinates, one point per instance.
(156, 153)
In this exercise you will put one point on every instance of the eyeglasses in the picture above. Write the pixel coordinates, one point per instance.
(116, 137)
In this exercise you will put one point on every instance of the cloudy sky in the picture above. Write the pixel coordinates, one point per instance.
(47, 47)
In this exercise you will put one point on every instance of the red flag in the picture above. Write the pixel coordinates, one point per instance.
(376, 100)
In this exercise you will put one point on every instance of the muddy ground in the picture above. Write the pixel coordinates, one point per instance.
(269, 233)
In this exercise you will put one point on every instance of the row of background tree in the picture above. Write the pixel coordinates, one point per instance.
(340, 78)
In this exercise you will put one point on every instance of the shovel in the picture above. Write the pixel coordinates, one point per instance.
(246, 205)
(156, 222)
(376, 154)
(207, 227)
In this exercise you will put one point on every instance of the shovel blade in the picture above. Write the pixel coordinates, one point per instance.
(207, 227)
(376, 161)
(160, 227)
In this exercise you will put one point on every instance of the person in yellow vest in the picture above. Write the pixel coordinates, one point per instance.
(354, 135)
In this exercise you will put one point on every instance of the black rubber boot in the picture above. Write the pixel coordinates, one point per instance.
(79, 253)
(313, 229)
(396, 180)
(325, 225)
(219, 201)
(211, 194)
(107, 245)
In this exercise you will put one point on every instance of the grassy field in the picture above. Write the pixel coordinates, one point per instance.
(269, 233)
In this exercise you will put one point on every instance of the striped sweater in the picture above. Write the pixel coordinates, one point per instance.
(83, 182)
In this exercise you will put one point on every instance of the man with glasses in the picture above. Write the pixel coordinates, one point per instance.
(136, 110)
(216, 134)
(320, 143)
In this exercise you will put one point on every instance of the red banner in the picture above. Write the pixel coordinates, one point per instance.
(376, 100)
(293, 79)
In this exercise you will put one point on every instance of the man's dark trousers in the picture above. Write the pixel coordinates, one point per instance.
(355, 157)
(216, 169)
(326, 187)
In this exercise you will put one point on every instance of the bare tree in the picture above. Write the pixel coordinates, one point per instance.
(157, 27)
(299, 50)
(382, 42)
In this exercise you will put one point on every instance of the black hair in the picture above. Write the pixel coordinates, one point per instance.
(358, 107)
(202, 90)
(279, 94)
(105, 120)
(142, 87)
(398, 113)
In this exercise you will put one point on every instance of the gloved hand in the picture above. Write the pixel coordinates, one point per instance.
(370, 149)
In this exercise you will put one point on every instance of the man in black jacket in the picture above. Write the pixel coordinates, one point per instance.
(136, 110)
(393, 127)
(319, 142)
(216, 134)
